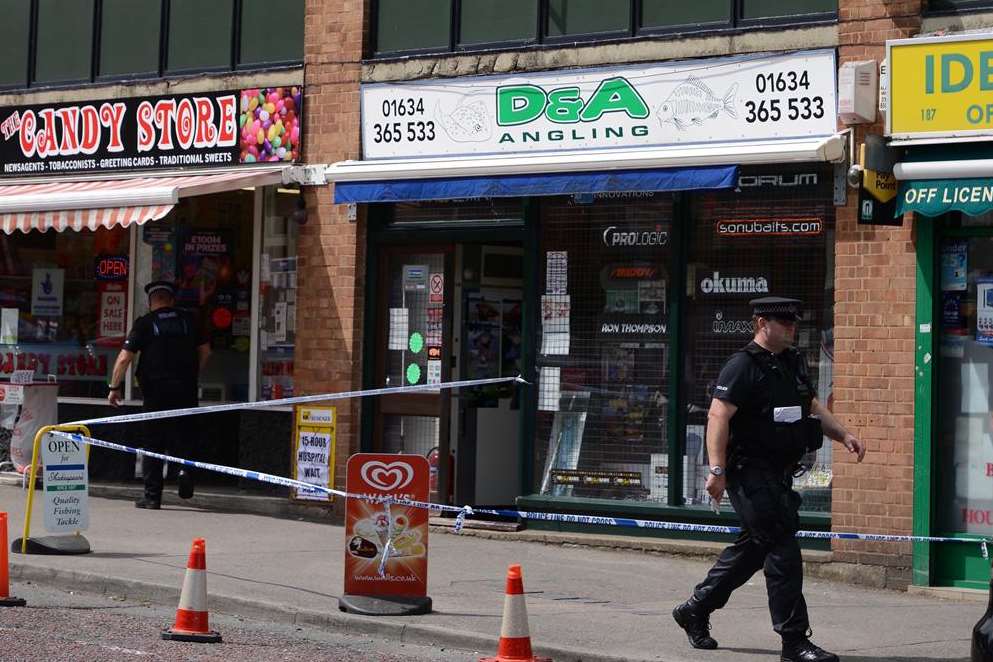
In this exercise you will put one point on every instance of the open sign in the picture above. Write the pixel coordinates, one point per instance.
(112, 268)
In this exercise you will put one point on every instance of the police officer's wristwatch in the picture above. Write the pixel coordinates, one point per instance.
(717, 470)
(111, 387)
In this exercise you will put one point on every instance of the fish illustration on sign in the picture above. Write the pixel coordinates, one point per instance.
(468, 123)
(692, 102)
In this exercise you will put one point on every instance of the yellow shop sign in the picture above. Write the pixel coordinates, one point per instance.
(940, 86)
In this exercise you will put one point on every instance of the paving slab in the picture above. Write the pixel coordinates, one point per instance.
(583, 604)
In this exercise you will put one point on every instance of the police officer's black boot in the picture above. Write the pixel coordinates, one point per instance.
(696, 622)
(801, 649)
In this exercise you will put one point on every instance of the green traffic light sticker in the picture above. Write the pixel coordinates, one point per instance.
(413, 373)
(416, 342)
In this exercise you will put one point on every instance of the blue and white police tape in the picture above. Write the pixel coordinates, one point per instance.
(464, 511)
(297, 400)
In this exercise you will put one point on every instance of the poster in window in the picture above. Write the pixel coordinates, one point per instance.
(984, 311)
(46, 292)
(204, 266)
(954, 265)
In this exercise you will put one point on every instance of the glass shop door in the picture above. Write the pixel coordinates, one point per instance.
(963, 436)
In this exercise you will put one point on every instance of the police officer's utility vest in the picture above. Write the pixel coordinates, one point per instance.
(171, 354)
(776, 433)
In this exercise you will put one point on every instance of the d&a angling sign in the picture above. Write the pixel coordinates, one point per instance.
(369, 525)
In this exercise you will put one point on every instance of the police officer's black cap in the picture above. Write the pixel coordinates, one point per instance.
(159, 286)
(777, 307)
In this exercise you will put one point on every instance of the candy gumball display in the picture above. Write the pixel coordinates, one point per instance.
(269, 124)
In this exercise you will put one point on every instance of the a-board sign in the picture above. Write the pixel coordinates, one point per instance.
(313, 451)
(367, 526)
(66, 490)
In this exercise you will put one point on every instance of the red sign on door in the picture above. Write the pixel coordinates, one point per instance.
(367, 527)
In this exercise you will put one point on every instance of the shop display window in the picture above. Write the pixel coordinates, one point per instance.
(773, 236)
(406, 25)
(277, 294)
(64, 306)
(64, 41)
(189, 48)
(605, 283)
(205, 246)
(129, 37)
(576, 17)
(15, 31)
(489, 21)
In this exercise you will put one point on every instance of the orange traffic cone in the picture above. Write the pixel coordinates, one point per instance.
(191, 616)
(6, 599)
(515, 637)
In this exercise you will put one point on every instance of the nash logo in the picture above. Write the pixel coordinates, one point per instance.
(523, 104)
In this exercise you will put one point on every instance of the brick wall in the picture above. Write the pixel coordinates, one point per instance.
(874, 318)
(331, 269)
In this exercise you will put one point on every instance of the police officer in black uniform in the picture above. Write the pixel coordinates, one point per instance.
(764, 417)
(172, 349)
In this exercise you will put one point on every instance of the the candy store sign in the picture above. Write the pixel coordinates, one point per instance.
(198, 130)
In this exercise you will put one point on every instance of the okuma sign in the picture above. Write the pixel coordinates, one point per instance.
(741, 98)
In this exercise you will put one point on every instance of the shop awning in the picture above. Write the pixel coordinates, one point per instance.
(684, 167)
(934, 197)
(91, 204)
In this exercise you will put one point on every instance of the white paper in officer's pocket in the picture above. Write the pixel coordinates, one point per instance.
(786, 414)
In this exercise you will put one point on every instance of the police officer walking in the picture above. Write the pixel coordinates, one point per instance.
(171, 350)
(764, 417)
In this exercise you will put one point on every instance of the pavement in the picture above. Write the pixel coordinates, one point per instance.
(583, 603)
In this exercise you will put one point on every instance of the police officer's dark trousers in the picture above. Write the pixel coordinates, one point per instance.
(769, 511)
(166, 434)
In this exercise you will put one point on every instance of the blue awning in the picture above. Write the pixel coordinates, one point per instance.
(518, 186)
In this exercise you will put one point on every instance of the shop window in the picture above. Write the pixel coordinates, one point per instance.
(661, 14)
(65, 41)
(605, 284)
(129, 37)
(580, 17)
(951, 6)
(480, 211)
(413, 25)
(64, 306)
(265, 40)
(205, 246)
(759, 9)
(771, 237)
(493, 21)
(200, 35)
(277, 295)
(14, 35)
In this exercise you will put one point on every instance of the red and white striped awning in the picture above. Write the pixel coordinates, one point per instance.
(106, 203)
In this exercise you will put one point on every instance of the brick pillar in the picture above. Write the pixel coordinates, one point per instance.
(331, 265)
(874, 318)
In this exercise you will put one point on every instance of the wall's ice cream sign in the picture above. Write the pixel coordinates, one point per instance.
(720, 99)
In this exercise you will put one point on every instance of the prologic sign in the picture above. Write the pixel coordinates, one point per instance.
(941, 86)
(251, 125)
(694, 101)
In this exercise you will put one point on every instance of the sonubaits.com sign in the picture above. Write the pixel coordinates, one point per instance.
(714, 100)
(211, 129)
